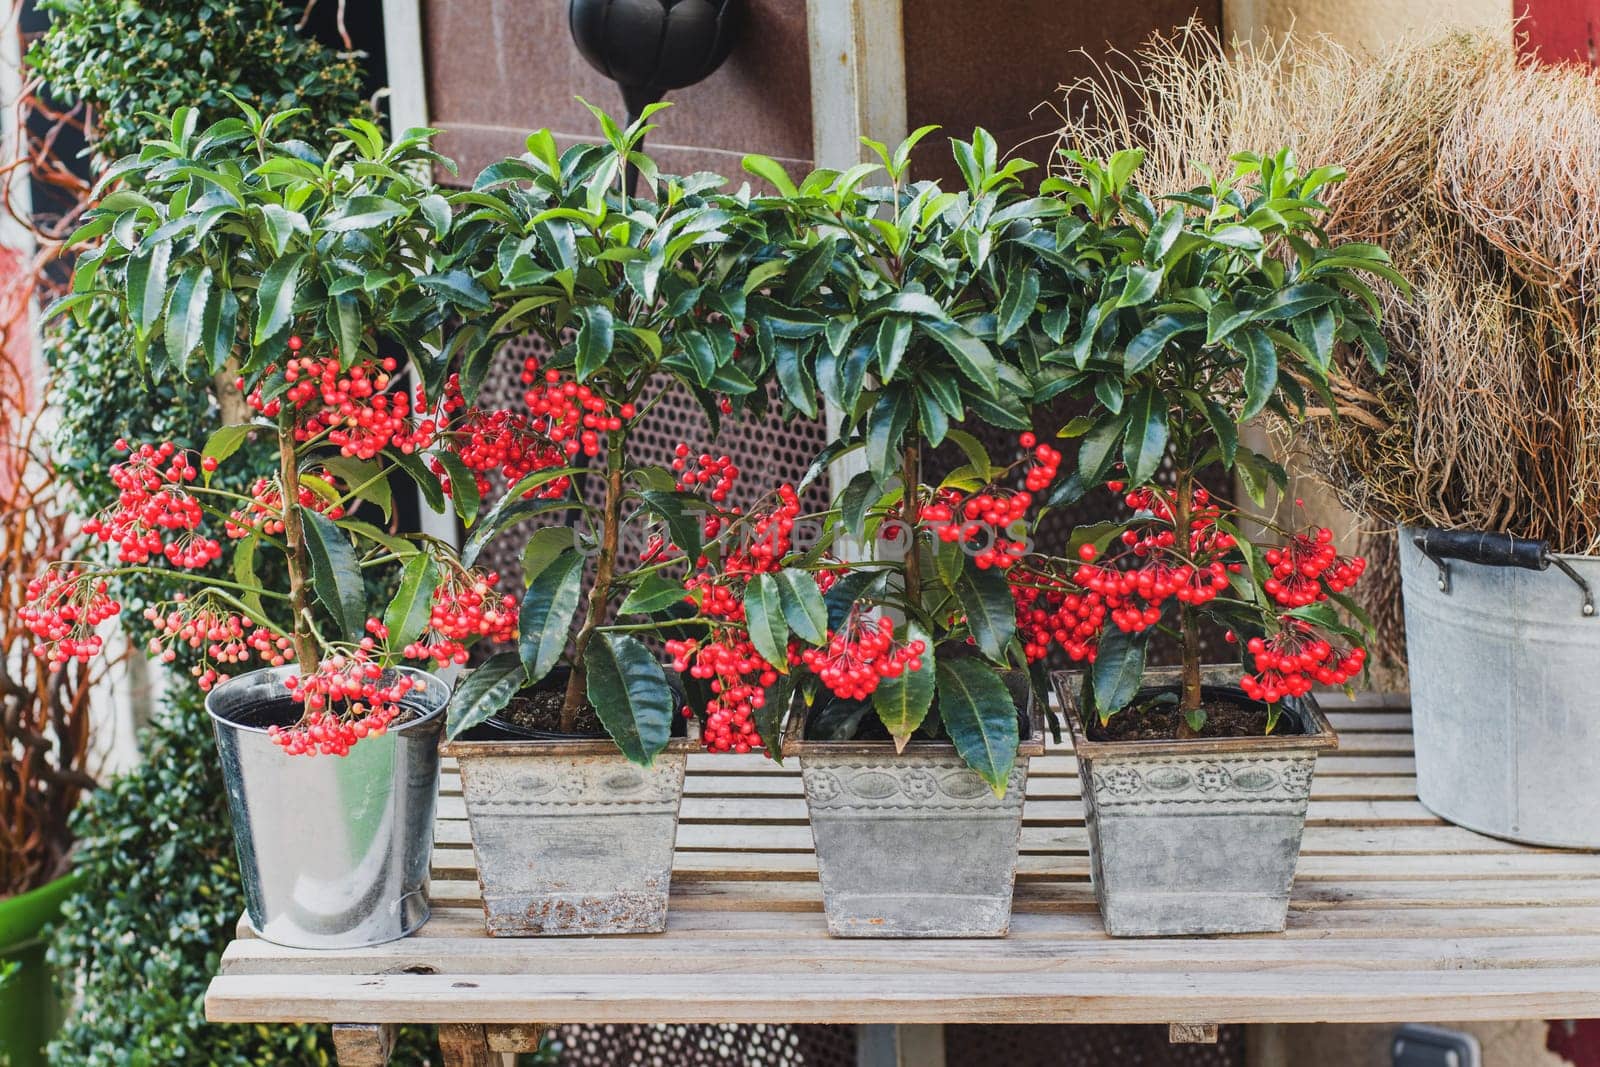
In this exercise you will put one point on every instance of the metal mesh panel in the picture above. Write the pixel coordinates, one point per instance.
(706, 1045)
(1086, 1046)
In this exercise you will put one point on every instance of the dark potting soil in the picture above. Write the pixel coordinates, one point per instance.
(1154, 716)
(540, 710)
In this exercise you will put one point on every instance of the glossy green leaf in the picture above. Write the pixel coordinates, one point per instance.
(653, 594)
(991, 611)
(1118, 669)
(1146, 440)
(972, 356)
(485, 690)
(803, 606)
(407, 615)
(1021, 295)
(630, 694)
(545, 621)
(769, 632)
(980, 716)
(335, 573)
(1260, 371)
(902, 703)
(275, 298)
(147, 286)
(596, 334)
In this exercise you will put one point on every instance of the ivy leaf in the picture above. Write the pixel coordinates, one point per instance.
(902, 703)
(545, 621)
(980, 716)
(629, 692)
(335, 573)
(803, 607)
(991, 611)
(483, 692)
(406, 617)
(769, 632)
(275, 298)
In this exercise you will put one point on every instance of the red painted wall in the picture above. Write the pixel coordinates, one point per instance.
(1559, 30)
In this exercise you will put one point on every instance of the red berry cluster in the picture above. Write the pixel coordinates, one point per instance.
(353, 406)
(1294, 659)
(264, 513)
(705, 471)
(1308, 563)
(155, 515)
(61, 608)
(219, 637)
(1047, 463)
(568, 413)
(465, 609)
(349, 697)
(1132, 588)
(860, 654)
(1050, 608)
(739, 678)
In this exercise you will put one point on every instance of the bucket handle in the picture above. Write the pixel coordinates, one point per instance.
(1494, 550)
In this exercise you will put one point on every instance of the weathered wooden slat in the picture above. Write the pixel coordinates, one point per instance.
(1083, 946)
(1394, 914)
(1280, 994)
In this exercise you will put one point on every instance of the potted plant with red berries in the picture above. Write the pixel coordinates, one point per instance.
(300, 267)
(907, 310)
(572, 746)
(1196, 317)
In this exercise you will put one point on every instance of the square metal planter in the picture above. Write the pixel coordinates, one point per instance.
(1195, 836)
(912, 844)
(570, 837)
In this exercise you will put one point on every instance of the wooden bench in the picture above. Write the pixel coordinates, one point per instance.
(1396, 916)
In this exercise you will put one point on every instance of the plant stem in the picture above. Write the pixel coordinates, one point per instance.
(911, 481)
(604, 574)
(1189, 622)
(305, 645)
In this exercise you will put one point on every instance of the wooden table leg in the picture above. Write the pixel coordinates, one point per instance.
(363, 1045)
(1192, 1033)
(468, 1046)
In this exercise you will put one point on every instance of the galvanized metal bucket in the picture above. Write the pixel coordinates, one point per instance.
(913, 844)
(333, 851)
(1197, 836)
(1505, 688)
(570, 837)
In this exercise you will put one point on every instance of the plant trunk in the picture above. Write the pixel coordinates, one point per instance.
(1189, 622)
(305, 645)
(911, 482)
(600, 592)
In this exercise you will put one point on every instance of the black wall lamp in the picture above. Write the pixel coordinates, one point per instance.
(651, 46)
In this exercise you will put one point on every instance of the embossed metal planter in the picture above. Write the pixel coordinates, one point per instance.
(333, 850)
(912, 844)
(1198, 836)
(571, 838)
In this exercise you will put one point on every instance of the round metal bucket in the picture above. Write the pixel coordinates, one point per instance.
(333, 850)
(1505, 695)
